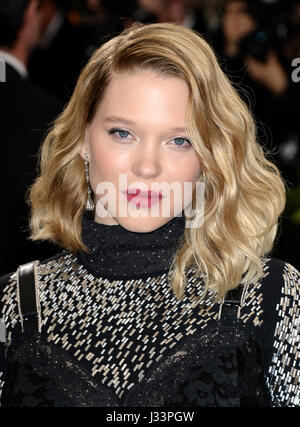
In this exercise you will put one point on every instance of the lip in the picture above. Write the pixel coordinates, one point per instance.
(144, 199)
(138, 191)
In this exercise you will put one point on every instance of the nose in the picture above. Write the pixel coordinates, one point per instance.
(147, 161)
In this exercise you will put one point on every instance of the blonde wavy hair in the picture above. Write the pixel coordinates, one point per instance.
(244, 192)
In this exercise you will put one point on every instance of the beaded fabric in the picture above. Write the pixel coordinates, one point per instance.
(130, 342)
(123, 254)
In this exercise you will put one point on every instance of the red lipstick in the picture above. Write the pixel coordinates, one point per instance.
(144, 199)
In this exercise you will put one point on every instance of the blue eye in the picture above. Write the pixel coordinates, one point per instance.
(182, 141)
(121, 133)
(124, 134)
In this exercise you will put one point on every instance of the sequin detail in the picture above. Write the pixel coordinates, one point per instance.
(120, 330)
(284, 372)
(129, 323)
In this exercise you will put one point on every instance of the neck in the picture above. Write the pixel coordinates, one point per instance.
(19, 52)
(117, 253)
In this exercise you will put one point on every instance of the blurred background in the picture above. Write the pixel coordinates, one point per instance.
(45, 44)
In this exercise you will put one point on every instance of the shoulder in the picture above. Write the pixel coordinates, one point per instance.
(40, 94)
(57, 266)
(273, 268)
(263, 299)
(22, 91)
(44, 106)
(275, 299)
(9, 307)
(279, 278)
(275, 276)
(12, 276)
(281, 290)
(279, 334)
(8, 300)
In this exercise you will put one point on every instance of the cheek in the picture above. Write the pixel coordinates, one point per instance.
(194, 172)
(188, 170)
(105, 165)
(195, 167)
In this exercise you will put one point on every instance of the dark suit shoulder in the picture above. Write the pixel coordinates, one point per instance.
(40, 94)
(19, 95)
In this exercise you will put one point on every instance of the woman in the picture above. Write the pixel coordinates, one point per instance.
(174, 302)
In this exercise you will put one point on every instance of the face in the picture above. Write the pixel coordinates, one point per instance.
(32, 27)
(137, 140)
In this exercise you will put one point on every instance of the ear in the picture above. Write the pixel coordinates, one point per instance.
(84, 150)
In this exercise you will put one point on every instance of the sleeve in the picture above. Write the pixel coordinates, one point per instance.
(2, 353)
(283, 370)
(8, 318)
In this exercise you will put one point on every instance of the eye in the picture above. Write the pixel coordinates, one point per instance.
(122, 134)
(180, 142)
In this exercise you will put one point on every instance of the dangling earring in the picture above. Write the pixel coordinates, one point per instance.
(89, 202)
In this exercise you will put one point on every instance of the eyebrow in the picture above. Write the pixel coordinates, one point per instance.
(117, 119)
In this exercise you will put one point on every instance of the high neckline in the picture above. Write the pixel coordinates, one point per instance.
(119, 254)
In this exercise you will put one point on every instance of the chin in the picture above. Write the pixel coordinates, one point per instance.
(142, 225)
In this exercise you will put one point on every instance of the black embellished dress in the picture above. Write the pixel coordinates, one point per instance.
(109, 331)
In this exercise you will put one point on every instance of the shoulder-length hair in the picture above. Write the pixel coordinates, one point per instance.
(244, 192)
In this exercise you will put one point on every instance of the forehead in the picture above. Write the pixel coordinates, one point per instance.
(138, 79)
(145, 92)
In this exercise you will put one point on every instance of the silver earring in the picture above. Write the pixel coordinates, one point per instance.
(89, 202)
